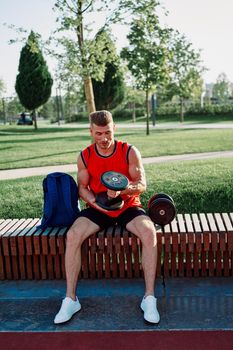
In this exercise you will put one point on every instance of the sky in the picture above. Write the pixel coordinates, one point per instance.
(207, 24)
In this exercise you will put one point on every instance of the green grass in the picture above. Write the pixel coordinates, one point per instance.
(24, 147)
(196, 186)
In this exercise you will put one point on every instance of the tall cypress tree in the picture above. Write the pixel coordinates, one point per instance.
(33, 82)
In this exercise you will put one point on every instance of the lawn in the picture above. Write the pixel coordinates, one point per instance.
(196, 186)
(25, 147)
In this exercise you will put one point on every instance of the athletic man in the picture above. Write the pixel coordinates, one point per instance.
(108, 154)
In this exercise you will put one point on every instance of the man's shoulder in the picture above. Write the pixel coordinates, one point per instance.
(88, 148)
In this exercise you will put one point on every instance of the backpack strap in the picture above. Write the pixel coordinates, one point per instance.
(66, 189)
(52, 200)
(53, 197)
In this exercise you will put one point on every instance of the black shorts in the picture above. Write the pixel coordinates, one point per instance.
(103, 220)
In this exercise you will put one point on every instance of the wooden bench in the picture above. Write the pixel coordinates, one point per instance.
(193, 245)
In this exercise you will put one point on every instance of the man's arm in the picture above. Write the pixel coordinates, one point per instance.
(137, 174)
(83, 184)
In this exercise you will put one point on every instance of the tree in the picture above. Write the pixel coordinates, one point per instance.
(222, 88)
(33, 82)
(186, 70)
(2, 87)
(147, 55)
(83, 55)
(2, 104)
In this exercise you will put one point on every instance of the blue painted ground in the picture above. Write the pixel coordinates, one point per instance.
(113, 305)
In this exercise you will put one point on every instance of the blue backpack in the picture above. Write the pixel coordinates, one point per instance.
(61, 204)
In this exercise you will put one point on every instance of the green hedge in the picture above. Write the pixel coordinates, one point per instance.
(196, 110)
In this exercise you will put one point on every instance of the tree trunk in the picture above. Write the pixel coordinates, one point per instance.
(88, 88)
(134, 113)
(57, 108)
(147, 113)
(89, 94)
(4, 110)
(34, 119)
(181, 110)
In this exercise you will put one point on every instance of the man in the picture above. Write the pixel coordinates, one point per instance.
(107, 154)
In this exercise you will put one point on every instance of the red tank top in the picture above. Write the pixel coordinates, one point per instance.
(97, 164)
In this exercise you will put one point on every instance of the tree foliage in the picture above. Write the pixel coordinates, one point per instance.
(186, 69)
(33, 82)
(2, 87)
(109, 92)
(222, 88)
(147, 54)
(85, 54)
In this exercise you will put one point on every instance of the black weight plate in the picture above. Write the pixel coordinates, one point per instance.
(109, 203)
(162, 211)
(160, 195)
(114, 181)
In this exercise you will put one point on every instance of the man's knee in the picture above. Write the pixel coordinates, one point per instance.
(74, 238)
(80, 230)
(148, 236)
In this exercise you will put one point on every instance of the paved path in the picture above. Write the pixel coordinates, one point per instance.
(25, 172)
(168, 125)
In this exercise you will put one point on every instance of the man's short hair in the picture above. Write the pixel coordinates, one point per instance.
(101, 118)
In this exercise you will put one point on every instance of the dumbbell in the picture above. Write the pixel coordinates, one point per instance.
(161, 209)
(113, 181)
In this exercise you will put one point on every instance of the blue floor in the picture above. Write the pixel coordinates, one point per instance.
(183, 303)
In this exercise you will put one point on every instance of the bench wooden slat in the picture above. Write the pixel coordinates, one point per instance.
(159, 250)
(100, 243)
(5, 233)
(174, 253)
(167, 250)
(12, 238)
(11, 268)
(43, 266)
(229, 228)
(21, 236)
(57, 267)
(5, 223)
(53, 240)
(128, 254)
(85, 259)
(213, 244)
(93, 249)
(61, 237)
(197, 245)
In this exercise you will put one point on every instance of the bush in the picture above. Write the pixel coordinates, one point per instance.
(126, 114)
(79, 117)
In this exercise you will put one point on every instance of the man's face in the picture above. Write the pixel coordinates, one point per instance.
(103, 136)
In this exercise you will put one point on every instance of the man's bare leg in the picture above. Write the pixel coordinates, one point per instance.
(80, 230)
(144, 229)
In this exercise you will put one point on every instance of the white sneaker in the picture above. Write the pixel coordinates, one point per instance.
(149, 306)
(68, 308)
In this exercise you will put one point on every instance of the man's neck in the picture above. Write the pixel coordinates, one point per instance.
(107, 151)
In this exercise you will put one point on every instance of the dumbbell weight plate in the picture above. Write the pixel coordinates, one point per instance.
(162, 211)
(114, 181)
(109, 203)
(159, 195)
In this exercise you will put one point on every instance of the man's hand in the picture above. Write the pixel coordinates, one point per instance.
(93, 204)
(113, 194)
